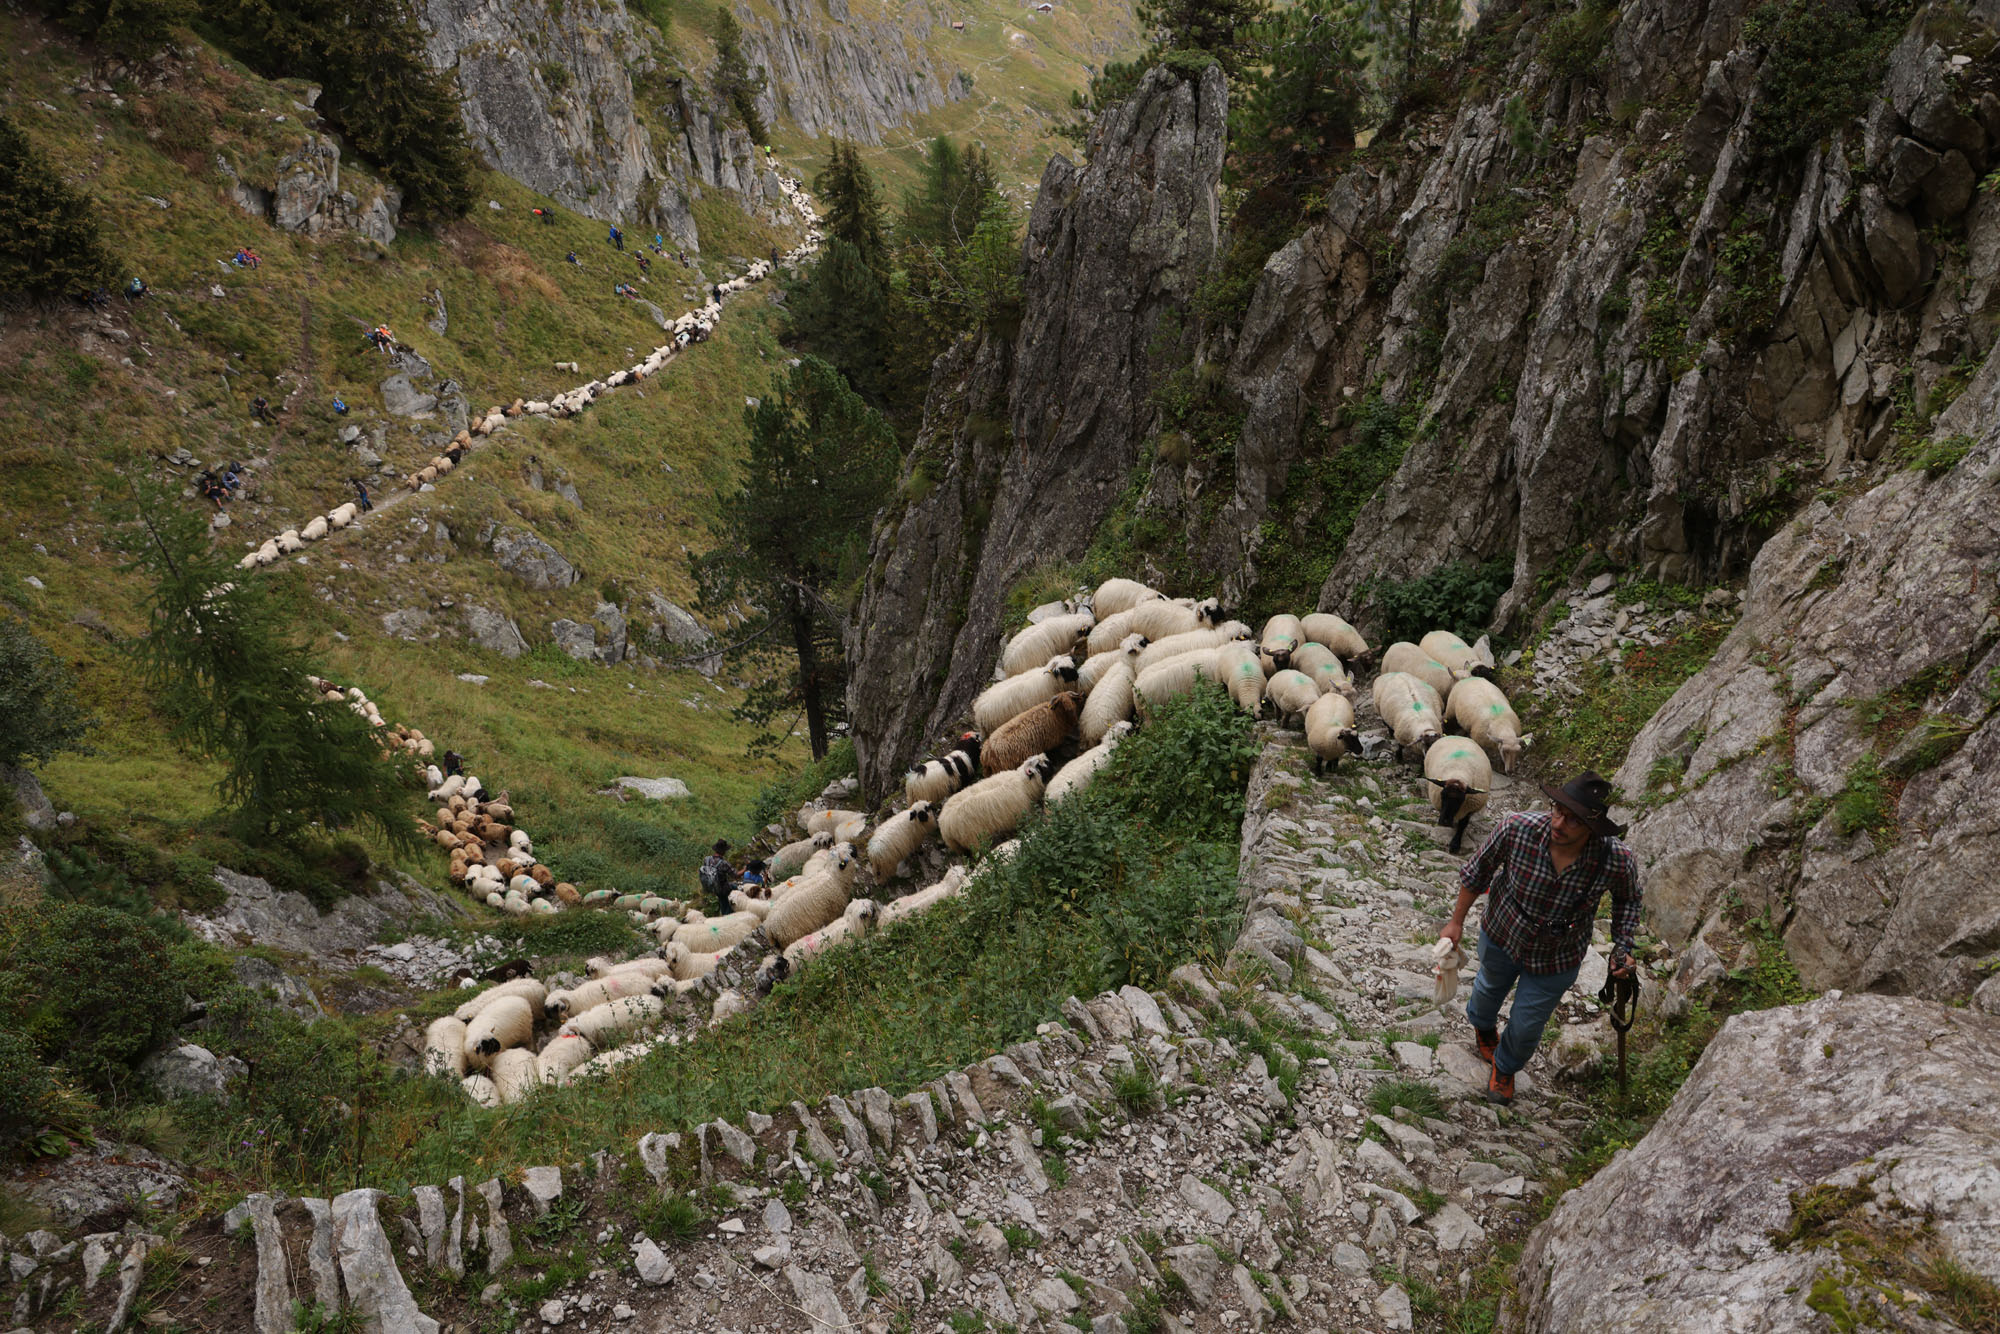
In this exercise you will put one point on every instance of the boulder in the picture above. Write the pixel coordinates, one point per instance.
(1862, 1116)
(36, 809)
(494, 632)
(576, 639)
(403, 399)
(188, 1071)
(531, 560)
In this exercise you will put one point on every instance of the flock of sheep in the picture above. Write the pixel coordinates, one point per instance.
(692, 326)
(1070, 687)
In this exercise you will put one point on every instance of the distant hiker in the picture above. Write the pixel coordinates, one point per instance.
(645, 265)
(260, 409)
(361, 494)
(716, 875)
(135, 289)
(340, 407)
(546, 216)
(1546, 871)
(232, 477)
(716, 292)
(451, 762)
(658, 240)
(211, 487)
(616, 237)
(571, 257)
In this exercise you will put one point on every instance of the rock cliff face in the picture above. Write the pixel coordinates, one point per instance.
(1868, 1142)
(1641, 337)
(1027, 441)
(832, 72)
(550, 100)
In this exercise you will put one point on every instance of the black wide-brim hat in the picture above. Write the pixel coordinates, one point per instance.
(1588, 798)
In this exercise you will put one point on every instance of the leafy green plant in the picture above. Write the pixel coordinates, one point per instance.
(89, 989)
(1937, 456)
(1821, 65)
(672, 1215)
(1458, 597)
(1863, 803)
(1412, 1094)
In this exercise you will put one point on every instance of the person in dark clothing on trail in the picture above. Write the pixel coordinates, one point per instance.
(716, 874)
(716, 292)
(571, 257)
(136, 289)
(260, 409)
(452, 763)
(546, 215)
(361, 494)
(1546, 872)
(616, 237)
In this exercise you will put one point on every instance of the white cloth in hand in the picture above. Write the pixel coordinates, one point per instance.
(1446, 959)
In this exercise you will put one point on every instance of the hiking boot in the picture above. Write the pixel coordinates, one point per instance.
(1499, 1087)
(1484, 1041)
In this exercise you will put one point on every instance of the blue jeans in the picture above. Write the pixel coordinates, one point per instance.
(1533, 1003)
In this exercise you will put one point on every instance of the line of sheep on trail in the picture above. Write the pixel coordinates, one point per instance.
(1046, 728)
(691, 327)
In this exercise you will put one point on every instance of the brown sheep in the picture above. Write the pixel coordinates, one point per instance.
(1036, 732)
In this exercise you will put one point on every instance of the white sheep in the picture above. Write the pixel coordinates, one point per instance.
(1188, 641)
(315, 529)
(1036, 644)
(568, 1004)
(1076, 775)
(815, 900)
(856, 920)
(565, 1052)
(647, 965)
(740, 901)
(268, 553)
(1157, 620)
(825, 822)
(728, 1004)
(516, 1074)
(507, 1022)
(1109, 704)
(290, 541)
(1480, 708)
(1403, 656)
(1320, 663)
(1174, 677)
(1117, 595)
(1095, 667)
(912, 904)
(788, 859)
(624, 1015)
(1280, 639)
(480, 1089)
(1346, 642)
(1239, 669)
(710, 934)
(688, 965)
(899, 836)
(1000, 703)
(993, 806)
(1109, 634)
(527, 988)
(851, 829)
(342, 515)
(1412, 709)
(1291, 693)
(444, 1047)
(1330, 730)
(1455, 654)
(1457, 778)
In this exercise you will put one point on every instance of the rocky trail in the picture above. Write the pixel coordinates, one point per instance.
(1238, 1148)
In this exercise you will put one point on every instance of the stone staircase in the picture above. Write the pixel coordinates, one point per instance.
(1227, 1152)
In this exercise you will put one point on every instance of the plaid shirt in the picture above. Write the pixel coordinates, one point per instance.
(1543, 919)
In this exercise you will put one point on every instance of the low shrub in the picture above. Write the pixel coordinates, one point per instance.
(1459, 597)
(91, 990)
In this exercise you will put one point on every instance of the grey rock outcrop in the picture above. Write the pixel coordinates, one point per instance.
(550, 101)
(255, 913)
(1029, 441)
(189, 1071)
(833, 72)
(1859, 599)
(494, 632)
(305, 195)
(36, 809)
(1867, 1111)
(531, 560)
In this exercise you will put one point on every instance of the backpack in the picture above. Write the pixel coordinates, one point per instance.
(711, 877)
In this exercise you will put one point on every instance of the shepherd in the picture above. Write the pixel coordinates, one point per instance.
(1546, 872)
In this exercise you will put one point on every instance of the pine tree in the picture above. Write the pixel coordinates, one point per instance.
(793, 538)
(735, 82)
(1304, 101)
(39, 715)
(842, 314)
(1220, 27)
(49, 244)
(1417, 38)
(399, 111)
(218, 664)
(135, 28)
(853, 207)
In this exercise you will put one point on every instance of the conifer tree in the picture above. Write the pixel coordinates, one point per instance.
(793, 539)
(135, 28)
(1220, 27)
(399, 111)
(218, 662)
(1305, 99)
(39, 715)
(49, 245)
(842, 314)
(853, 207)
(735, 82)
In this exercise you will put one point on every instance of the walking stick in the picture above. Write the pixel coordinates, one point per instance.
(1620, 996)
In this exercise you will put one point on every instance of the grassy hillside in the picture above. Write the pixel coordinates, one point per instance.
(96, 400)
